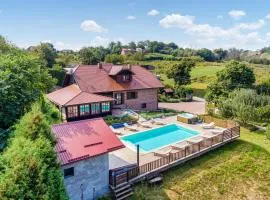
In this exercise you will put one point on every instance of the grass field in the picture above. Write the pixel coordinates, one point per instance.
(239, 170)
(205, 72)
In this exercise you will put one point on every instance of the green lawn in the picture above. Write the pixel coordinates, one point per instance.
(240, 170)
(205, 73)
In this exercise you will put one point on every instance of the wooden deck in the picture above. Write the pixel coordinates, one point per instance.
(134, 173)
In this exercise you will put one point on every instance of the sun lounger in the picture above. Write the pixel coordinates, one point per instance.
(217, 131)
(162, 153)
(129, 127)
(117, 132)
(208, 126)
(144, 124)
(180, 146)
(157, 122)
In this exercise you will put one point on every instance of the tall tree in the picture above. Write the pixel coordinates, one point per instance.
(46, 53)
(22, 81)
(88, 56)
(180, 72)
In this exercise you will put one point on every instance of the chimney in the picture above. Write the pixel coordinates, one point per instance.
(100, 65)
(129, 67)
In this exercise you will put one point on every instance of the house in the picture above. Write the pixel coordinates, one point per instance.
(125, 51)
(82, 149)
(94, 90)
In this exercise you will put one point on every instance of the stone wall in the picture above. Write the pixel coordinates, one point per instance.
(148, 96)
(92, 174)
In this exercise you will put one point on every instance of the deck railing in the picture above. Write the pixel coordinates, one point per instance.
(197, 148)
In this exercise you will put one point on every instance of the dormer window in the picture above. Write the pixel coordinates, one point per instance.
(125, 77)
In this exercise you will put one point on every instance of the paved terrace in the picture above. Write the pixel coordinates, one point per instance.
(197, 106)
(126, 156)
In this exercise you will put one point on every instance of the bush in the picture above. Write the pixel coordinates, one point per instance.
(110, 119)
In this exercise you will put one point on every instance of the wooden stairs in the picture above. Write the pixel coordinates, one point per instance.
(122, 191)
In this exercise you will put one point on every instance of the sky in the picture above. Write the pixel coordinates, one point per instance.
(70, 24)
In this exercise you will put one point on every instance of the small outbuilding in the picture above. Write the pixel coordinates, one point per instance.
(82, 149)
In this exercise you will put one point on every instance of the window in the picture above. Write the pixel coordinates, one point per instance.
(95, 108)
(131, 95)
(105, 107)
(72, 111)
(84, 110)
(143, 105)
(68, 172)
(119, 98)
(125, 77)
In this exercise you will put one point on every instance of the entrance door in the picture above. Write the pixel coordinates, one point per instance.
(119, 98)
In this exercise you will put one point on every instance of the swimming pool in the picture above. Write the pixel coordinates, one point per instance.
(157, 138)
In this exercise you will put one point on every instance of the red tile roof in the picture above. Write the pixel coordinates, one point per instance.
(72, 95)
(81, 140)
(92, 79)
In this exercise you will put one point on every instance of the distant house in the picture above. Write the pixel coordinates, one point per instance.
(126, 51)
(94, 90)
(82, 149)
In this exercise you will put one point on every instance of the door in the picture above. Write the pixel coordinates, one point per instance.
(119, 98)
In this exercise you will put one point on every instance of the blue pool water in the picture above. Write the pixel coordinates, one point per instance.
(158, 137)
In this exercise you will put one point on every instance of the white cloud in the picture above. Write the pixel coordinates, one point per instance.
(208, 35)
(267, 16)
(220, 17)
(251, 26)
(153, 12)
(99, 41)
(91, 26)
(46, 41)
(237, 14)
(177, 20)
(130, 17)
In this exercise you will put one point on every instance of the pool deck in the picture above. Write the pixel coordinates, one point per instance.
(126, 155)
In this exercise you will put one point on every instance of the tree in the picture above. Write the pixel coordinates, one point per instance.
(58, 73)
(29, 168)
(22, 81)
(236, 75)
(88, 57)
(206, 54)
(132, 45)
(220, 54)
(46, 53)
(115, 47)
(245, 105)
(114, 58)
(180, 72)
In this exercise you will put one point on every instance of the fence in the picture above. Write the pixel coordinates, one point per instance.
(122, 175)
(218, 122)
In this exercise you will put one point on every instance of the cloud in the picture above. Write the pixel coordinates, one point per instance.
(220, 17)
(153, 12)
(99, 41)
(238, 34)
(177, 20)
(91, 26)
(130, 17)
(251, 26)
(237, 14)
(267, 16)
(46, 41)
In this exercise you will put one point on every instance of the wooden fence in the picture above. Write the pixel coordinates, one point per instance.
(118, 176)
